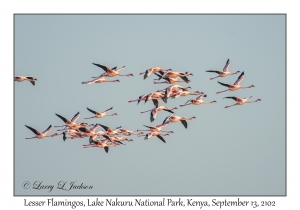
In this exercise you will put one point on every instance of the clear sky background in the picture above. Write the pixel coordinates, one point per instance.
(235, 151)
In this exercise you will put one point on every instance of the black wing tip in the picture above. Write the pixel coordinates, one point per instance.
(106, 149)
(82, 129)
(221, 83)
(184, 123)
(161, 138)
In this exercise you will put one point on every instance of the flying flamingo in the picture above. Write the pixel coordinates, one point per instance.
(92, 132)
(223, 73)
(170, 90)
(148, 72)
(31, 79)
(100, 114)
(126, 132)
(100, 80)
(198, 101)
(175, 74)
(175, 119)
(168, 80)
(155, 96)
(100, 144)
(236, 85)
(109, 131)
(69, 132)
(38, 134)
(157, 128)
(241, 101)
(141, 98)
(118, 139)
(157, 134)
(74, 127)
(112, 73)
(157, 109)
(185, 93)
(69, 123)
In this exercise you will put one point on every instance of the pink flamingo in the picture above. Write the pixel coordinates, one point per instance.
(173, 89)
(198, 101)
(31, 79)
(111, 72)
(236, 85)
(157, 134)
(223, 73)
(175, 119)
(175, 74)
(154, 97)
(169, 80)
(69, 123)
(148, 72)
(241, 101)
(141, 98)
(100, 144)
(100, 80)
(185, 93)
(38, 134)
(157, 109)
(157, 128)
(100, 114)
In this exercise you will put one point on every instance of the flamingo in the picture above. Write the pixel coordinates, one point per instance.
(92, 132)
(172, 90)
(31, 79)
(109, 131)
(157, 128)
(157, 134)
(118, 139)
(225, 71)
(141, 98)
(100, 144)
(112, 73)
(236, 85)
(69, 132)
(38, 134)
(74, 127)
(100, 80)
(168, 80)
(100, 114)
(155, 96)
(185, 93)
(73, 136)
(157, 109)
(175, 119)
(241, 101)
(126, 132)
(70, 124)
(198, 101)
(175, 74)
(148, 72)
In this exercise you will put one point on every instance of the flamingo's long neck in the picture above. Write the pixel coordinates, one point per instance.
(251, 101)
(243, 87)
